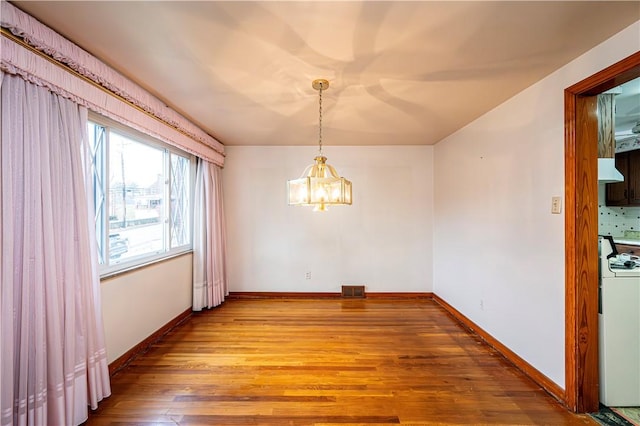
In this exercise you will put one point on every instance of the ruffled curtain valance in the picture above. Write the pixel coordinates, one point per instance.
(133, 106)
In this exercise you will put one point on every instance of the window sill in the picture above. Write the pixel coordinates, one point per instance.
(110, 275)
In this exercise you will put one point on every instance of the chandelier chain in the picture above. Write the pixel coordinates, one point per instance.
(320, 121)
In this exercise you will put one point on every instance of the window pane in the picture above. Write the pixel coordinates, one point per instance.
(136, 190)
(179, 201)
(141, 195)
(97, 144)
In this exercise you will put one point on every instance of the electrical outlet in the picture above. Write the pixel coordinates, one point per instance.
(556, 205)
(307, 275)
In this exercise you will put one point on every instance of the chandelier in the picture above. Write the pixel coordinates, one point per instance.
(320, 185)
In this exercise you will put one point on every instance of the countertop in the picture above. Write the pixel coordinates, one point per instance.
(626, 241)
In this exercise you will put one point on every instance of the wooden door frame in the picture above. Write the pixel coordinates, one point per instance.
(581, 235)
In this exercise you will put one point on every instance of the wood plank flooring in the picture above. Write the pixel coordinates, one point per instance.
(325, 362)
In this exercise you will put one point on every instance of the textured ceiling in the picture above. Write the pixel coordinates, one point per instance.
(402, 73)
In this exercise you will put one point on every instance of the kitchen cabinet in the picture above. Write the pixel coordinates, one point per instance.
(628, 248)
(626, 193)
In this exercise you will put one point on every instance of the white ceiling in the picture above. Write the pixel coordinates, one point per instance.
(627, 106)
(403, 73)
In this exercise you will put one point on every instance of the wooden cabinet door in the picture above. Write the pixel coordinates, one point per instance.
(618, 193)
(634, 177)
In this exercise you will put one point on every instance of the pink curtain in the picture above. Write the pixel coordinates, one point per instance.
(209, 240)
(53, 355)
(161, 122)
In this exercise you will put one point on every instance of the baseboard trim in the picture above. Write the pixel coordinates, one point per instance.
(406, 295)
(280, 295)
(543, 381)
(327, 295)
(143, 346)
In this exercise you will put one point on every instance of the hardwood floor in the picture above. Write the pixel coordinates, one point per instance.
(322, 362)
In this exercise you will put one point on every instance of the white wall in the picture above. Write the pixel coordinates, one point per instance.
(499, 252)
(383, 240)
(137, 304)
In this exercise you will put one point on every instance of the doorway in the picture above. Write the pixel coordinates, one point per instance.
(581, 233)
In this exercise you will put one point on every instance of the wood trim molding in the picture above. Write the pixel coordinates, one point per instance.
(610, 77)
(583, 291)
(280, 295)
(581, 231)
(570, 252)
(543, 381)
(407, 295)
(143, 346)
(323, 295)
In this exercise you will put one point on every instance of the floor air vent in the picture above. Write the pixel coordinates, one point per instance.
(352, 291)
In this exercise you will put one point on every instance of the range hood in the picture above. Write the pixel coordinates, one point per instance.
(607, 172)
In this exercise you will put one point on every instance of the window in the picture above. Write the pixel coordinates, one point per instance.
(142, 194)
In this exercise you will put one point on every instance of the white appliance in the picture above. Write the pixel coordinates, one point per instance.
(619, 329)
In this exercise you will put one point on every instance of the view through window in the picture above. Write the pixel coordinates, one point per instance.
(141, 195)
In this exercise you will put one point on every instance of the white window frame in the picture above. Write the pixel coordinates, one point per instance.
(111, 267)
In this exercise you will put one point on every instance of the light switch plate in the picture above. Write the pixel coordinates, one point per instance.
(556, 205)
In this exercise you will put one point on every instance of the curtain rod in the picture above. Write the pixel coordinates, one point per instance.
(19, 40)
